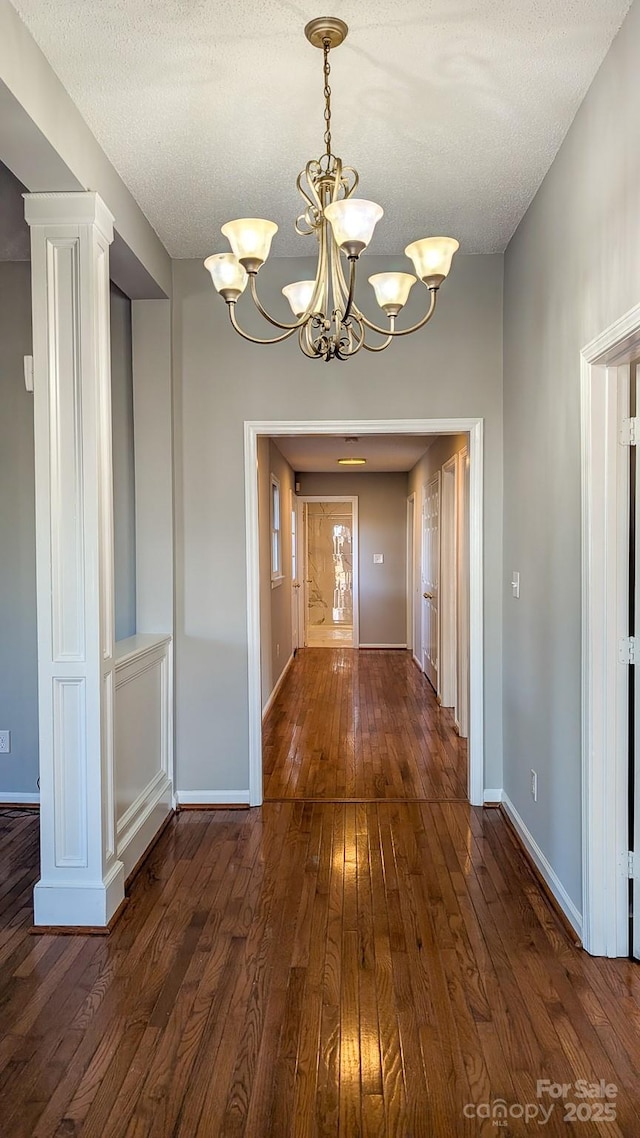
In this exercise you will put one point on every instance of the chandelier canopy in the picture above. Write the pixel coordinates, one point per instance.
(329, 323)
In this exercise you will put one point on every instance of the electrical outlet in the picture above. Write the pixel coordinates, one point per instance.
(5, 742)
(534, 786)
(277, 651)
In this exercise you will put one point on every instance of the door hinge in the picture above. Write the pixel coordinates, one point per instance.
(629, 432)
(627, 650)
(633, 864)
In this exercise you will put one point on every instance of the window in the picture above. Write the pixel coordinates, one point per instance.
(276, 533)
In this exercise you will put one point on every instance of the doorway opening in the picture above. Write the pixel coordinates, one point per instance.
(254, 432)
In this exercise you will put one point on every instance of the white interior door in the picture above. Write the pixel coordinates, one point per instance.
(411, 564)
(430, 578)
(448, 598)
(295, 577)
(634, 670)
(462, 705)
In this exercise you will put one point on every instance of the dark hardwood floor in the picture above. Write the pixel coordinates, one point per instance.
(310, 969)
(360, 724)
(318, 969)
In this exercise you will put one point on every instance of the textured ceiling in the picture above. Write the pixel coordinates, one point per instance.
(451, 110)
(320, 453)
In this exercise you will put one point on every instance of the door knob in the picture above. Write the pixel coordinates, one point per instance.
(296, 586)
(428, 596)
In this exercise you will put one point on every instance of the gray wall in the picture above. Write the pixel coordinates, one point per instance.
(572, 268)
(124, 501)
(15, 242)
(382, 528)
(18, 645)
(452, 368)
(275, 603)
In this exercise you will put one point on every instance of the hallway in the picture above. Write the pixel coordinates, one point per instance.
(360, 725)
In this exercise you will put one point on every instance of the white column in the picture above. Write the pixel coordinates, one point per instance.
(82, 881)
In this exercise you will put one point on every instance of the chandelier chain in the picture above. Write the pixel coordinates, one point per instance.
(326, 45)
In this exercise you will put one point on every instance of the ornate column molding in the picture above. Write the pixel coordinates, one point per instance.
(82, 881)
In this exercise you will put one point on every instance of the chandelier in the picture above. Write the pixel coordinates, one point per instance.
(328, 322)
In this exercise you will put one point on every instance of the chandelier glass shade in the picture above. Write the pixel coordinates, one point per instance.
(328, 322)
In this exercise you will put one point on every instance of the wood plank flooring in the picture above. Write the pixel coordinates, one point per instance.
(320, 968)
(311, 970)
(360, 724)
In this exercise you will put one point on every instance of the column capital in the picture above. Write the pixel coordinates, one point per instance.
(82, 208)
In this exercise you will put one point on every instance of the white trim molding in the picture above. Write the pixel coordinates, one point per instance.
(206, 798)
(475, 428)
(492, 797)
(143, 703)
(20, 797)
(546, 869)
(82, 879)
(605, 537)
(276, 687)
(382, 646)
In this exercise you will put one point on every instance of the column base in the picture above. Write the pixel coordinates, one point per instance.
(89, 906)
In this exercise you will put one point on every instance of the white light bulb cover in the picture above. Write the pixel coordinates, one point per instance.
(227, 273)
(250, 239)
(392, 290)
(353, 221)
(432, 256)
(299, 295)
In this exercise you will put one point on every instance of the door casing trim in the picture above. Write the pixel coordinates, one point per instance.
(253, 429)
(604, 365)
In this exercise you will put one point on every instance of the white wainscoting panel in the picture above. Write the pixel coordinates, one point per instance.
(143, 743)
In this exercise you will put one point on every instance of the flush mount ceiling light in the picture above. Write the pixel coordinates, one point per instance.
(351, 461)
(329, 323)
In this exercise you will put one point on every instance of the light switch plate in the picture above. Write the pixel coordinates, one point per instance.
(515, 584)
(378, 558)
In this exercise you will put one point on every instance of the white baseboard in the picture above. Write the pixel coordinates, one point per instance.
(212, 797)
(382, 646)
(492, 796)
(139, 825)
(546, 869)
(417, 662)
(20, 797)
(279, 682)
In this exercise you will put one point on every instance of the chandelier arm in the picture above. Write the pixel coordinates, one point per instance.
(263, 312)
(404, 331)
(308, 347)
(353, 261)
(305, 315)
(342, 286)
(255, 339)
(385, 343)
(356, 342)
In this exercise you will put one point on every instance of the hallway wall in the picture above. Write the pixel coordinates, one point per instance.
(124, 483)
(571, 269)
(382, 518)
(451, 368)
(18, 634)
